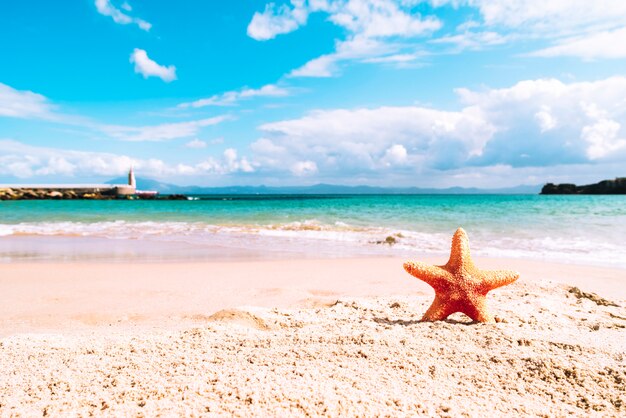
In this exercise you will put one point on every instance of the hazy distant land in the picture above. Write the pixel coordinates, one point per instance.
(167, 188)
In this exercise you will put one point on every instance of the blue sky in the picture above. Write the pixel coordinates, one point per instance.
(486, 93)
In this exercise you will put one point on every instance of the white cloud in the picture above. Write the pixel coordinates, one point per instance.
(359, 48)
(381, 18)
(534, 123)
(528, 114)
(105, 8)
(603, 139)
(545, 119)
(25, 161)
(231, 98)
(369, 25)
(149, 68)
(162, 132)
(29, 105)
(372, 139)
(230, 163)
(472, 40)
(554, 17)
(467, 25)
(277, 20)
(395, 155)
(395, 58)
(579, 28)
(605, 44)
(304, 168)
(24, 104)
(323, 66)
(196, 144)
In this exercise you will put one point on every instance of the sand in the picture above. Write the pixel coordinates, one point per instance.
(305, 338)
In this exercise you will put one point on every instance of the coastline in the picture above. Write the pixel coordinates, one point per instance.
(306, 317)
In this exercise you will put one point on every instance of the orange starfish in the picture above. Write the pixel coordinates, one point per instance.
(459, 285)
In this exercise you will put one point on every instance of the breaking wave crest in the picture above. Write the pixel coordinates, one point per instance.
(311, 234)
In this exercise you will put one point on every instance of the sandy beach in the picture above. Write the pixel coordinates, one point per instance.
(266, 208)
(305, 338)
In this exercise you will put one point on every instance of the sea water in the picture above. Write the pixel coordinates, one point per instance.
(580, 229)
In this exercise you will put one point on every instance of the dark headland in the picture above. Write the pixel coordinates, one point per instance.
(617, 186)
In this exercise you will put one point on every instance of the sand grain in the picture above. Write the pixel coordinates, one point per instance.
(556, 354)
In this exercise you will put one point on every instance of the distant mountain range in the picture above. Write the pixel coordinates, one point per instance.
(166, 188)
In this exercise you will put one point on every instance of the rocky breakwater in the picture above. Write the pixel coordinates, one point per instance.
(617, 186)
(85, 194)
(47, 194)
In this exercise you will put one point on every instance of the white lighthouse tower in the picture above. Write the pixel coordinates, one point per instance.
(131, 178)
(127, 189)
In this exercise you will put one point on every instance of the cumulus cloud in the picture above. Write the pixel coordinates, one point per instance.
(518, 126)
(106, 8)
(369, 24)
(231, 98)
(24, 104)
(303, 168)
(602, 137)
(545, 119)
(395, 155)
(229, 163)
(162, 132)
(25, 161)
(149, 68)
(527, 116)
(373, 139)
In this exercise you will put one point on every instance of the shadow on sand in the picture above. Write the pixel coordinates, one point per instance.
(387, 321)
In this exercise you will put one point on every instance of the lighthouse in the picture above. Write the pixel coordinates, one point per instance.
(128, 189)
(131, 178)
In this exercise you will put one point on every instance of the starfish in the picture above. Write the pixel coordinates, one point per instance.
(459, 285)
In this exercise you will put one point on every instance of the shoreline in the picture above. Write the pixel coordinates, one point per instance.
(244, 247)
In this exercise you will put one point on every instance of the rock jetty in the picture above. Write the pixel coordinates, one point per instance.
(38, 194)
(617, 186)
(71, 194)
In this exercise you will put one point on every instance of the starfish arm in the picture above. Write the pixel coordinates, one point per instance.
(433, 275)
(439, 310)
(498, 278)
(478, 310)
(460, 251)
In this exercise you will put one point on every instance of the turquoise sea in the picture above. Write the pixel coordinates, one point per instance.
(579, 229)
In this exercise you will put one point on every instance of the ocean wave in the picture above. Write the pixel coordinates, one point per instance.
(309, 233)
